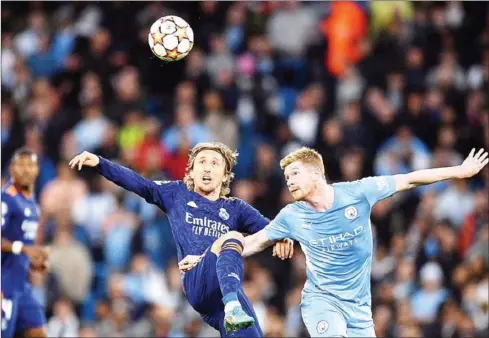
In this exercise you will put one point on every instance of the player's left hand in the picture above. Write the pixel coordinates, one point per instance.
(284, 249)
(473, 163)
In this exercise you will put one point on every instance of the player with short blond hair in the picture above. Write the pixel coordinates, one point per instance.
(306, 156)
(332, 224)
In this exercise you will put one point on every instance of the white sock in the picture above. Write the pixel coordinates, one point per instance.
(231, 305)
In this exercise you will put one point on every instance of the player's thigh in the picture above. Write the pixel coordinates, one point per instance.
(10, 306)
(30, 316)
(361, 332)
(323, 320)
(201, 285)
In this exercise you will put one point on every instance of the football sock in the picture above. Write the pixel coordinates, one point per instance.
(230, 271)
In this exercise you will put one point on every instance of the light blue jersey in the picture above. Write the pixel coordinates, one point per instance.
(337, 244)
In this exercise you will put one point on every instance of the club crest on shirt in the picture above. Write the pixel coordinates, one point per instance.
(27, 212)
(223, 214)
(351, 213)
(322, 326)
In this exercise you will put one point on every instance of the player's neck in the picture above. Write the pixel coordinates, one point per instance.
(212, 196)
(322, 198)
(27, 191)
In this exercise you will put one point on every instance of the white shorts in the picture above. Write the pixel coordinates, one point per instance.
(325, 316)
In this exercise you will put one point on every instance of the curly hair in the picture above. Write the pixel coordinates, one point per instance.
(230, 158)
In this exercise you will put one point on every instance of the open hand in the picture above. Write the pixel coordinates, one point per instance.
(85, 158)
(473, 163)
(284, 249)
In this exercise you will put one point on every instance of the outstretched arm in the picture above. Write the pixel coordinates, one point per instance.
(470, 167)
(253, 221)
(256, 243)
(122, 176)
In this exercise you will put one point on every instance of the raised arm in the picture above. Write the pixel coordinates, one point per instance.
(122, 176)
(470, 167)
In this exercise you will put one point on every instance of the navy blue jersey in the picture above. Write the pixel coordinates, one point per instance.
(196, 222)
(20, 219)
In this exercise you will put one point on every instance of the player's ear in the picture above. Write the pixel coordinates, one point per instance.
(225, 178)
(37, 169)
(317, 174)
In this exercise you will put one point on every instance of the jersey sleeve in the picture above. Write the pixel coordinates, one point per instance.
(251, 220)
(160, 193)
(378, 188)
(279, 227)
(6, 211)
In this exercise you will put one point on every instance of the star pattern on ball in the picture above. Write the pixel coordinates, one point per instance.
(181, 33)
(158, 37)
(173, 53)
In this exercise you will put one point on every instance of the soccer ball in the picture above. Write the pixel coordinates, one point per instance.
(171, 38)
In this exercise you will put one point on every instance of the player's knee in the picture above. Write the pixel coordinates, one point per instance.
(234, 235)
(233, 240)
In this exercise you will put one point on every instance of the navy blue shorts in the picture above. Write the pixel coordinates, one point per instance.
(201, 286)
(20, 311)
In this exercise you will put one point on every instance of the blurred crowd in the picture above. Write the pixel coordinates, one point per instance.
(378, 88)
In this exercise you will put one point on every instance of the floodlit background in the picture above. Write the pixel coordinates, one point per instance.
(377, 87)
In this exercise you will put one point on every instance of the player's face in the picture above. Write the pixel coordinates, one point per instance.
(24, 170)
(208, 171)
(300, 180)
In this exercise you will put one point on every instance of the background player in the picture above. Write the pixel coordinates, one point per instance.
(206, 227)
(21, 313)
(332, 225)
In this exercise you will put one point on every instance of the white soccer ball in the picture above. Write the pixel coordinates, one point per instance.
(171, 38)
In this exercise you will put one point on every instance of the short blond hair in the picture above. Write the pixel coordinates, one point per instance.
(306, 156)
(230, 158)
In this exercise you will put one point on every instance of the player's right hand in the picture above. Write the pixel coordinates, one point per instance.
(189, 262)
(85, 158)
(284, 249)
(37, 255)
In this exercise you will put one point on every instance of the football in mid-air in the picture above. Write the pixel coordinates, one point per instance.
(171, 38)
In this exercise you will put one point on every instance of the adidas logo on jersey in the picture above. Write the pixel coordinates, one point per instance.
(234, 275)
(192, 204)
